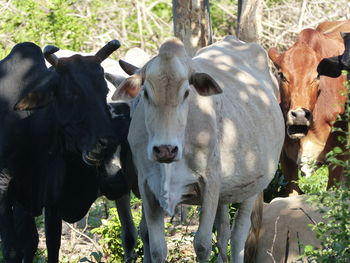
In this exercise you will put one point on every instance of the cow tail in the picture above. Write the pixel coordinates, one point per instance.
(251, 245)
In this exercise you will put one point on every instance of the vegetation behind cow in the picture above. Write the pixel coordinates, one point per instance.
(81, 25)
(334, 231)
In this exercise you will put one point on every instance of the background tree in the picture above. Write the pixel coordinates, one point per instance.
(192, 24)
(249, 20)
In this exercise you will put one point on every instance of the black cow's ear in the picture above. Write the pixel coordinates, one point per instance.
(330, 67)
(38, 97)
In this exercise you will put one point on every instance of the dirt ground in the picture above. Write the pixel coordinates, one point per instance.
(77, 242)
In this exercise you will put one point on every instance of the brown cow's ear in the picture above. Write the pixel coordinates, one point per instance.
(204, 84)
(274, 55)
(128, 89)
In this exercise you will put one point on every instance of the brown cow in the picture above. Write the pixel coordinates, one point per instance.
(310, 103)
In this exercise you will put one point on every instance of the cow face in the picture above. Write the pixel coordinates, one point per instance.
(77, 94)
(165, 86)
(299, 87)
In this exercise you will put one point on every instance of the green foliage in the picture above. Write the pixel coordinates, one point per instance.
(273, 2)
(224, 17)
(276, 186)
(316, 183)
(43, 22)
(40, 256)
(81, 25)
(110, 237)
(94, 257)
(334, 231)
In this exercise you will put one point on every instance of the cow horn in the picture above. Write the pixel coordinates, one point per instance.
(127, 67)
(49, 56)
(108, 49)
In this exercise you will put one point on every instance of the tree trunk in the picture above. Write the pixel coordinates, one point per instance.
(249, 20)
(192, 24)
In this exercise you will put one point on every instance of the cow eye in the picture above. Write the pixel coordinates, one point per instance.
(145, 94)
(186, 94)
(316, 79)
(282, 77)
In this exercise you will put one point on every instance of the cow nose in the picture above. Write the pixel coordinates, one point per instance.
(165, 153)
(300, 116)
(104, 142)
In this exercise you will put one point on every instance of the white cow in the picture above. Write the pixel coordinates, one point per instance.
(191, 147)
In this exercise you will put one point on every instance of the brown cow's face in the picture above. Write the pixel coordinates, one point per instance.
(299, 83)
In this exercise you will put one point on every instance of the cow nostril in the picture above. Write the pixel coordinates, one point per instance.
(294, 114)
(103, 142)
(307, 114)
(156, 149)
(175, 150)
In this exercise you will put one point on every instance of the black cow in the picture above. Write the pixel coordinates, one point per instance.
(333, 66)
(65, 118)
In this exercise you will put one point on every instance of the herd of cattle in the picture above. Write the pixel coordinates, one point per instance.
(208, 130)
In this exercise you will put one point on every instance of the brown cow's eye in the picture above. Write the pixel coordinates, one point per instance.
(186, 94)
(282, 77)
(145, 94)
(316, 79)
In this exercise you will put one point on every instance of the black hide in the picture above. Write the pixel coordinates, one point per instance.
(41, 148)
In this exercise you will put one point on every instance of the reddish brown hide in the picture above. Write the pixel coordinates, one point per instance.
(310, 104)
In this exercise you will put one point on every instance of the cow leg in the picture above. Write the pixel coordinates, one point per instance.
(53, 230)
(290, 173)
(129, 232)
(10, 246)
(222, 225)
(203, 237)
(145, 239)
(154, 216)
(27, 234)
(240, 229)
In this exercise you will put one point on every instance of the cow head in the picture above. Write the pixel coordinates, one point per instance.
(333, 66)
(299, 86)
(75, 90)
(166, 83)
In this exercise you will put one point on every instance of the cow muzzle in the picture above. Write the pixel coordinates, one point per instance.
(165, 153)
(98, 153)
(298, 123)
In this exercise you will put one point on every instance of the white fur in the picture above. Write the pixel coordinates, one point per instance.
(230, 142)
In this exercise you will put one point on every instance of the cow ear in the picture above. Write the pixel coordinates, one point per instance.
(128, 89)
(114, 79)
(274, 55)
(204, 84)
(329, 67)
(38, 97)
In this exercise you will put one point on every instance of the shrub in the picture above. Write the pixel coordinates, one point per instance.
(334, 232)
(110, 237)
